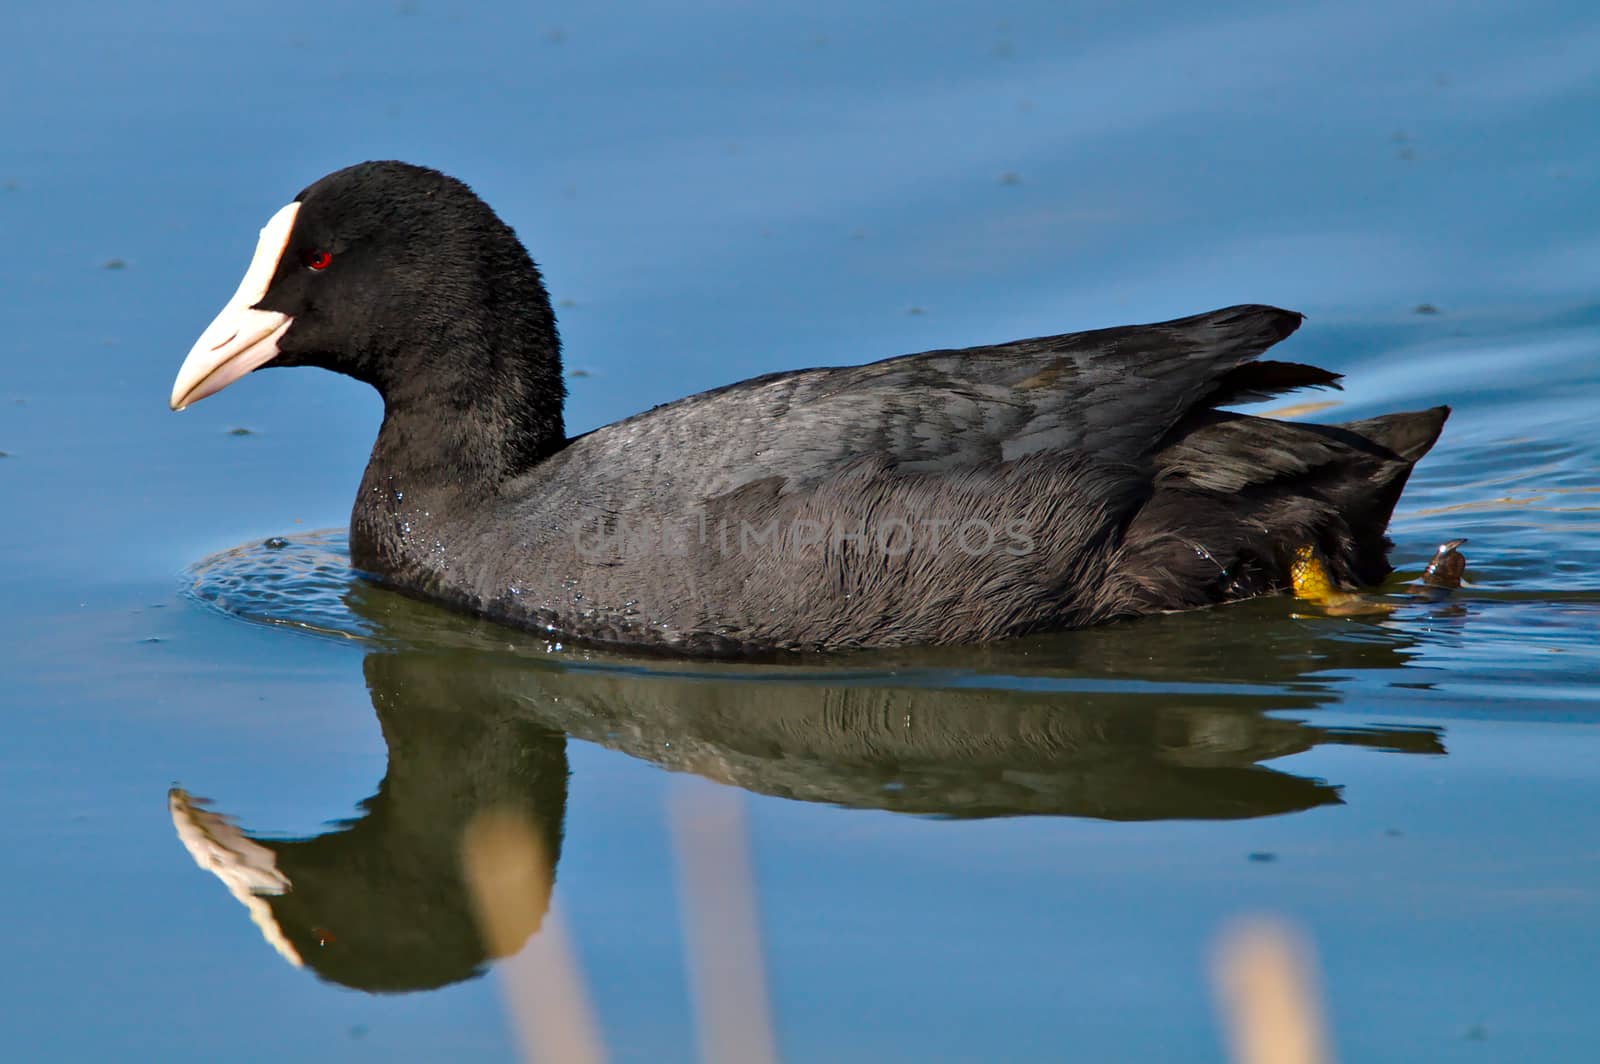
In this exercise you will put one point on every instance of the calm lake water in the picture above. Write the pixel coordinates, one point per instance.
(1019, 853)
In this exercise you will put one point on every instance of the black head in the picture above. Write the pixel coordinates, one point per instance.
(402, 277)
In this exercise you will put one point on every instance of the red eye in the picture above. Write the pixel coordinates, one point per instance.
(316, 260)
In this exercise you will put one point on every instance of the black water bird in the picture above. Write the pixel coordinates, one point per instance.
(953, 496)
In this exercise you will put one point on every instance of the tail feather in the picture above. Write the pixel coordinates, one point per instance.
(1237, 495)
(1409, 435)
(1253, 382)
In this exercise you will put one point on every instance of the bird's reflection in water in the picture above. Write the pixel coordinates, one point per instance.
(380, 903)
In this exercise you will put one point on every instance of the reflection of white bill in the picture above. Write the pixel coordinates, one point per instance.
(248, 869)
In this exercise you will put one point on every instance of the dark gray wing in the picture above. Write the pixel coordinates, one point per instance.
(1114, 393)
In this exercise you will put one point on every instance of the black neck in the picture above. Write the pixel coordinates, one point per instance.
(488, 406)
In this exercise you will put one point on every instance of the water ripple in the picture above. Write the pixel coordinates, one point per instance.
(300, 582)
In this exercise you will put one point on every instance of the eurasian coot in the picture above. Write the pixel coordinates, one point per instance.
(945, 497)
